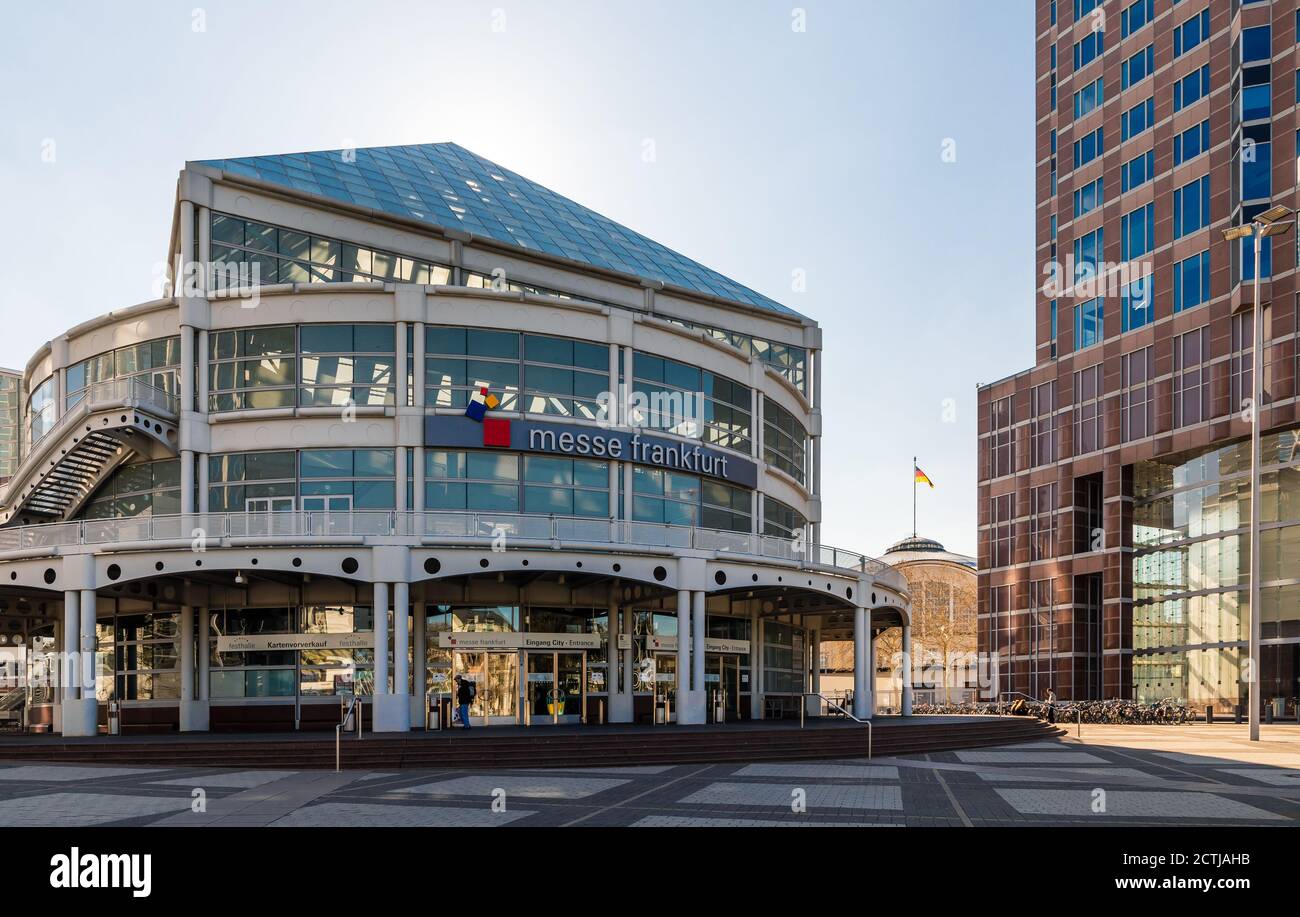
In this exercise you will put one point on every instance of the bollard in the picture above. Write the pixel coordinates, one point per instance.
(1237, 714)
(1209, 714)
(1268, 714)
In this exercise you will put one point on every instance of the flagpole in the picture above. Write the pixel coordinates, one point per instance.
(914, 496)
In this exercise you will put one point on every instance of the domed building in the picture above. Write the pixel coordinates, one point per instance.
(943, 589)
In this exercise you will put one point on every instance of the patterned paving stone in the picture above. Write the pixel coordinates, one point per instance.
(242, 780)
(825, 771)
(63, 773)
(678, 821)
(1028, 757)
(1218, 757)
(1073, 777)
(82, 809)
(367, 815)
(638, 769)
(782, 795)
(1132, 804)
(527, 786)
(1271, 776)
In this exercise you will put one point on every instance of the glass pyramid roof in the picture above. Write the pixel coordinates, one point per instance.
(444, 184)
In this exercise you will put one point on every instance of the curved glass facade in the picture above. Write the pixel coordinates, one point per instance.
(785, 441)
(154, 362)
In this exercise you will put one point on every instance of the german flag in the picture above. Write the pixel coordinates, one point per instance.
(921, 477)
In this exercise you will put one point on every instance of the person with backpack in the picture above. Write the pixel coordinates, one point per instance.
(465, 692)
(1051, 706)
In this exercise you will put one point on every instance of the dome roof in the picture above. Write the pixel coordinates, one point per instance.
(918, 548)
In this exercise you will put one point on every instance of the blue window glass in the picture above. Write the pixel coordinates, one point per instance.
(1192, 142)
(1256, 44)
(1134, 17)
(1138, 118)
(1138, 67)
(1088, 251)
(1191, 88)
(1191, 33)
(1088, 98)
(1088, 147)
(1248, 258)
(1089, 197)
(1192, 207)
(1137, 232)
(1256, 171)
(1192, 281)
(1256, 102)
(1137, 302)
(1137, 171)
(1088, 48)
(1088, 323)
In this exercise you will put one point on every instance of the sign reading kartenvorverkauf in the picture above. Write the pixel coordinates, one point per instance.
(264, 642)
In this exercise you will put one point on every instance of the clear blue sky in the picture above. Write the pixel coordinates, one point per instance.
(776, 150)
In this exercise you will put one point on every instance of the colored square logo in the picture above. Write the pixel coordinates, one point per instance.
(476, 410)
(496, 432)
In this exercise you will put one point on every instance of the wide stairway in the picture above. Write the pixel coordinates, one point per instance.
(507, 747)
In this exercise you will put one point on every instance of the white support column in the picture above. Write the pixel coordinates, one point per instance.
(682, 700)
(188, 371)
(70, 671)
(756, 667)
(699, 622)
(203, 628)
(187, 486)
(392, 706)
(194, 713)
(401, 639)
(814, 704)
(861, 649)
(400, 369)
(204, 256)
(417, 483)
(418, 368)
(204, 488)
(620, 687)
(202, 371)
(381, 639)
(907, 670)
(401, 477)
(420, 669)
(79, 710)
(629, 663)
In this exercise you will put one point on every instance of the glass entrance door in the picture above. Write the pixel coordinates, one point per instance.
(496, 683)
(665, 676)
(557, 687)
(722, 678)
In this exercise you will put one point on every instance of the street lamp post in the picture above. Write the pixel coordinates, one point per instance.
(1269, 223)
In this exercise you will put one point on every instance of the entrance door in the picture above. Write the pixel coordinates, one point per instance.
(722, 678)
(557, 687)
(496, 680)
(328, 515)
(665, 676)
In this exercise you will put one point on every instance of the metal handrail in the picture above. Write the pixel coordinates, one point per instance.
(353, 708)
(803, 709)
(450, 527)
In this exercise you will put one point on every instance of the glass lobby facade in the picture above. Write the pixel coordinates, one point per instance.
(1191, 576)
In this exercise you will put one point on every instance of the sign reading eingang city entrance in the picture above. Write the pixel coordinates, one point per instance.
(447, 431)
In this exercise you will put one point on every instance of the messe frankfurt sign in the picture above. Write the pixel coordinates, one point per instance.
(448, 431)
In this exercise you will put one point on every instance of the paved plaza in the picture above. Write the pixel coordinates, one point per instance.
(1168, 776)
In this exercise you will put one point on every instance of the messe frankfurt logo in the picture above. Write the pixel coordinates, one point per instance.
(496, 431)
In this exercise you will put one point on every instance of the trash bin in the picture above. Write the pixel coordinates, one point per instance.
(432, 714)
(114, 718)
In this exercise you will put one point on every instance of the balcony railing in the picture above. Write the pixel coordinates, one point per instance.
(132, 391)
(435, 528)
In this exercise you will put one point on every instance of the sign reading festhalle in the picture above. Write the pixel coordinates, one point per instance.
(579, 441)
(257, 643)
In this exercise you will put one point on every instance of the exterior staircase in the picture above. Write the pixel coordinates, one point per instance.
(115, 420)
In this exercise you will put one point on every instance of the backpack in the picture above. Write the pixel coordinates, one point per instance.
(473, 689)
